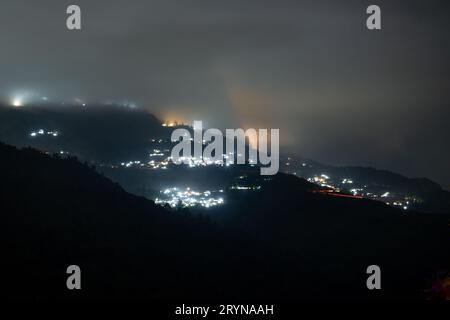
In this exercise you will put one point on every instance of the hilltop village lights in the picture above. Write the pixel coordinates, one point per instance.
(214, 137)
(189, 198)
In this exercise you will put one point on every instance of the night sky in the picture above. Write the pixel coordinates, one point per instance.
(339, 93)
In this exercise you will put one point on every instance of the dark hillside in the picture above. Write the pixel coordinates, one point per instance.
(281, 242)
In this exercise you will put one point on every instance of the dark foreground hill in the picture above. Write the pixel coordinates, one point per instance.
(279, 243)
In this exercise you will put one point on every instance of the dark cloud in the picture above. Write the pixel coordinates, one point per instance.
(338, 92)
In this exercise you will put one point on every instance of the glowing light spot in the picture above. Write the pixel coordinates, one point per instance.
(17, 102)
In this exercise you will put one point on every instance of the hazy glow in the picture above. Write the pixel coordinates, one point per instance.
(17, 102)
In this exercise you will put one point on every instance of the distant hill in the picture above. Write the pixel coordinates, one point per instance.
(111, 135)
(279, 243)
(106, 134)
(430, 196)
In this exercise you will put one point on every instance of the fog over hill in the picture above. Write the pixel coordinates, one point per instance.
(122, 140)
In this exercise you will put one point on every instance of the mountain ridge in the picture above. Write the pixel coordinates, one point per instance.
(265, 245)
